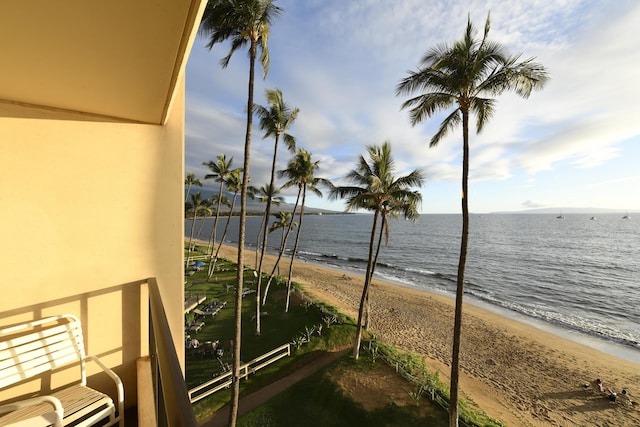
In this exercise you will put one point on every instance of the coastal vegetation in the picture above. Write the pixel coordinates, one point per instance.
(409, 393)
(380, 191)
(278, 330)
(275, 120)
(190, 181)
(243, 23)
(300, 172)
(465, 75)
(222, 173)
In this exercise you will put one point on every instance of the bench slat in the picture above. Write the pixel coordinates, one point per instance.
(25, 371)
(42, 349)
(33, 350)
(78, 401)
(38, 334)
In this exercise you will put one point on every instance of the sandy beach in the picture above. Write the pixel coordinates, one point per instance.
(517, 373)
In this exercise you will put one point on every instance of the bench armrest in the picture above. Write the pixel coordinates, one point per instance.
(51, 418)
(116, 379)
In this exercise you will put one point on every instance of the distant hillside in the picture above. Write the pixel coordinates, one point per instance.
(254, 207)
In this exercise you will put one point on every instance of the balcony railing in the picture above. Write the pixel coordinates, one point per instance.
(172, 405)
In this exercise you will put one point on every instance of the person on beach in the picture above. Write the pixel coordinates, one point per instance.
(624, 397)
(607, 392)
(599, 386)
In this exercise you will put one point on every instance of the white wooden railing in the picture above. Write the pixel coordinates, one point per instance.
(224, 380)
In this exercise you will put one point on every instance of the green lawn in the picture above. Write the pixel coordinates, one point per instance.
(321, 402)
(277, 328)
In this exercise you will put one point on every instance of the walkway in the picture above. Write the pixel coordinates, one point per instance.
(257, 398)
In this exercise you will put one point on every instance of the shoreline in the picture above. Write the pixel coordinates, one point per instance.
(516, 372)
(604, 345)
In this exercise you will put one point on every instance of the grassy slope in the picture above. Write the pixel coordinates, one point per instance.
(319, 400)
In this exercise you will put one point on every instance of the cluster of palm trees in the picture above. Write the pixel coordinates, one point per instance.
(464, 76)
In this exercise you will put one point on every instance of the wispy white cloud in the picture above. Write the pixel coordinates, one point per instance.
(339, 63)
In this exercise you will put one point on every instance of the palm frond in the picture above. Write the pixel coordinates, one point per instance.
(483, 109)
(448, 124)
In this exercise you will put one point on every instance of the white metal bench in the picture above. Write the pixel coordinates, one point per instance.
(42, 346)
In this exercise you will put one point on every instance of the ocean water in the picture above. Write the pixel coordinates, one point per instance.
(574, 276)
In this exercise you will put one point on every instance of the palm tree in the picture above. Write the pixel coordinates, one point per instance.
(391, 209)
(190, 181)
(300, 172)
(275, 121)
(242, 22)
(264, 193)
(196, 205)
(465, 75)
(220, 170)
(205, 211)
(378, 190)
(284, 218)
(283, 246)
(267, 194)
(234, 184)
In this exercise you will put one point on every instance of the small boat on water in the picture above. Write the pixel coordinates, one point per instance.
(626, 216)
(593, 218)
(560, 217)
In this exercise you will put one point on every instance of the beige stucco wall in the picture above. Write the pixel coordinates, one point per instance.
(87, 209)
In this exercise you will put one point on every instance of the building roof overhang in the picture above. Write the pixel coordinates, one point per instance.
(110, 60)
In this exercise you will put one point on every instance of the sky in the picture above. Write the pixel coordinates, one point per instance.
(575, 143)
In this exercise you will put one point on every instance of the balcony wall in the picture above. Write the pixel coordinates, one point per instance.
(87, 209)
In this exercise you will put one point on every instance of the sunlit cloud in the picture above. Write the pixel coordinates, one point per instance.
(339, 62)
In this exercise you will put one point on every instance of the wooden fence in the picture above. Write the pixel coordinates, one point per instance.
(224, 380)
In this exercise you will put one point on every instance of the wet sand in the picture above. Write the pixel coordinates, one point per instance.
(517, 373)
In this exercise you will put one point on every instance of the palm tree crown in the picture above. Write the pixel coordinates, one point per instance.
(377, 186)
(465, 74)
(242, 22)
(190, 181)
(277, 118)
(300, 172)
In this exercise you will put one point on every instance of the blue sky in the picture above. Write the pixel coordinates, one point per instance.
(576, 143)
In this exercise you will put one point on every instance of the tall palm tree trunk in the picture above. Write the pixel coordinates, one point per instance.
(367, 318)
(212, 238)
(258, 243)
(224, 233)
(186, 196)
(235, 392)
(193, 226)
(200, 229)
(457, 326)
(295, 249)
(283, 242)
(267, 212)
(365, 288)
